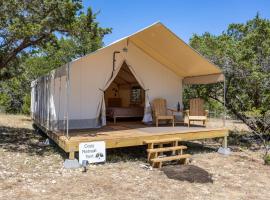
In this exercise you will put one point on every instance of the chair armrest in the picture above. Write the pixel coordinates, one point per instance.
(174, 111)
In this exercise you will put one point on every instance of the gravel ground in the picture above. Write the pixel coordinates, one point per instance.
(30, 171)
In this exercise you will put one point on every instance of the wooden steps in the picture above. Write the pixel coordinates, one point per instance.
(170, 158)
(159, 160)
(154, 154)
(166, 140)
(164, 149)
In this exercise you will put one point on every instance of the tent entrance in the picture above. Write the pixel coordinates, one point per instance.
(124, 98)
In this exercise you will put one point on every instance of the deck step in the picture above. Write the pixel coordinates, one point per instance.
(170, 158)
(164, 149)
(161, 140)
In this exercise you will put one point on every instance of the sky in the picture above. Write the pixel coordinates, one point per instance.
(183, 17)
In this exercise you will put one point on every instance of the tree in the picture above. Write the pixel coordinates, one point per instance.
(28, 24)
(243, 53)
(86, 34)
(72, 38)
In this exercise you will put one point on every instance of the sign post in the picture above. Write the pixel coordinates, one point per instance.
(93, 152)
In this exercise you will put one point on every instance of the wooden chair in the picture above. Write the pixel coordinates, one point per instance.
(161, 111)
(196, 111)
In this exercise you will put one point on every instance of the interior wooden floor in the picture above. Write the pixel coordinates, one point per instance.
(124, 134)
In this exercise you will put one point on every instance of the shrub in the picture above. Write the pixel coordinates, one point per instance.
(267, 159)
(26, 104)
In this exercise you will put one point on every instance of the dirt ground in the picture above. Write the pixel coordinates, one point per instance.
(30, 171)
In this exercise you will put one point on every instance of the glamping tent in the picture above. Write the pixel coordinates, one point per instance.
(128, 74)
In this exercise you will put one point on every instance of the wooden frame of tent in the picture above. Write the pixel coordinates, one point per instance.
(126, 135)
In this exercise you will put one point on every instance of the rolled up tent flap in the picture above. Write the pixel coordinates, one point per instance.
(204, 79)
(147, 117)
(101, 110)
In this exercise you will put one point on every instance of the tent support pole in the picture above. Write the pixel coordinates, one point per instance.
(224, 102)
(67, 104)
(114, 59)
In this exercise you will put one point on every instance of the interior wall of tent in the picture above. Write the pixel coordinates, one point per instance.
(123, 92)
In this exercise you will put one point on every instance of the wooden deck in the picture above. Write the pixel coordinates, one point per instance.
(132, 134)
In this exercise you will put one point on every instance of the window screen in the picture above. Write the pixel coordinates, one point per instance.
(136, 95)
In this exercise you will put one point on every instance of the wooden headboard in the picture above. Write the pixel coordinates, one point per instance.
(114, 102)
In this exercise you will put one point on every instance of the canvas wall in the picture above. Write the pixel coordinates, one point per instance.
(88, 77)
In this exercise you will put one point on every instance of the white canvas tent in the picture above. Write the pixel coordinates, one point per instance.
(72, 97)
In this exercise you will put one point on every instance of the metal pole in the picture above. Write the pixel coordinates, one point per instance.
(224, 101)
(67, 104)
(59, 100)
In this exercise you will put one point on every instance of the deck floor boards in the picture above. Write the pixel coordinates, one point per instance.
(132, 134)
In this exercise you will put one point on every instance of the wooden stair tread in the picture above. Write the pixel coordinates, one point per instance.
(164, 149)
(170, 158)
(161, 140)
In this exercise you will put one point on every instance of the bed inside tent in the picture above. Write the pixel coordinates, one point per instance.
(124, 98)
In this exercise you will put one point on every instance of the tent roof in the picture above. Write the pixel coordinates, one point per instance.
(164, 46)
(125, 76)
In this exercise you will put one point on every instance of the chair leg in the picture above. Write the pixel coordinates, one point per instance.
(156, 122)
(159, 165)
(173, 122)
(149, 156)
(188, 123)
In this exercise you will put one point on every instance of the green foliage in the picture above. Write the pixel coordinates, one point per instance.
(267, 160)
(243, 53)
(26, 104)
(28, 24)
(11, 95)
(58, 32)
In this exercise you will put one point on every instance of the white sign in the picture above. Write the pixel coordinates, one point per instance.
(93, 152)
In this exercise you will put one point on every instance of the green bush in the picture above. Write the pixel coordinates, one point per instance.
(26, 104)
(267, 159)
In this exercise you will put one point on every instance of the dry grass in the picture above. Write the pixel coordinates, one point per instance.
(233, 125)
(28, 171)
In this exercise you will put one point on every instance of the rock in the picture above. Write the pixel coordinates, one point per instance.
(71, 164)
(146, 166)
(224, 151)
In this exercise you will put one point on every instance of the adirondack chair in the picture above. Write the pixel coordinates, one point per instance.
(196, 111)
(161, 112)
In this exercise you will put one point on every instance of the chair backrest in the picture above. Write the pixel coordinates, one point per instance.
(160, 107)
(196, 107)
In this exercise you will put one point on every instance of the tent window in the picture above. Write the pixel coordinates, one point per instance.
(136, 95)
